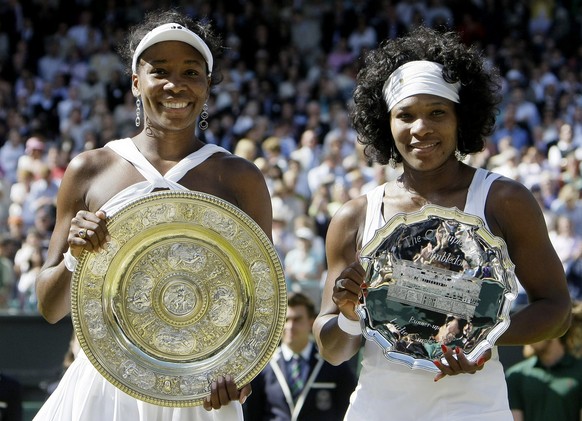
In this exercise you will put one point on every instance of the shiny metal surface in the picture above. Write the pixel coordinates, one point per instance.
(436, 276)
(188, 289)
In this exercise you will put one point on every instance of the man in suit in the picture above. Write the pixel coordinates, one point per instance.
(10, 399)
(310, 390)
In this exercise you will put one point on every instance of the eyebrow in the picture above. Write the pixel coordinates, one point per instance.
(158, 62)
(430, 104)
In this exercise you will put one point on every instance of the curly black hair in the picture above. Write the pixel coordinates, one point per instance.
(155, 18)
(479, 95)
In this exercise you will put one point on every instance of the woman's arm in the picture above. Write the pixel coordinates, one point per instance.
(514, 214)
(342, 286)
(53, 283)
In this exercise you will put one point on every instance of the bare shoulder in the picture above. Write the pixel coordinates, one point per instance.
(354, 209)
(92, 161)
(347, 223)
(511, 205)
(510, 194)
(235, 165)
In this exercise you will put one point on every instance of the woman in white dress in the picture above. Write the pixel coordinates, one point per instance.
(173, 69)
(424, 100)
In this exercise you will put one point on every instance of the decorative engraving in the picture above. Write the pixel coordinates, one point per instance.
(179, 298)
(432, 288)
(139, 377)
(436, 276)
(189, 288)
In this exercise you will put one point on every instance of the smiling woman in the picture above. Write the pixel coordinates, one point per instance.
(440, 99)
(173, 64)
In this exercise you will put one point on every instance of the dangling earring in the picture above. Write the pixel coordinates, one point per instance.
(460, 155)
(203, 124)
(137, 112)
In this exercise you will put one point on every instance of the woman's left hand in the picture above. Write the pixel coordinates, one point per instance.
(223, 390)
(457, 363)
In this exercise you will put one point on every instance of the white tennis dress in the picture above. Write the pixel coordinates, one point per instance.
(389, 391)
(85, 395)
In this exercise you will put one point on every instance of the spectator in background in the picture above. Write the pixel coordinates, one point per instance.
(124, 116)
(43, 191)
(340, 56)
(520, 138)
(10, 399)
(27, 263)
(33, 159)
(363, 37)
(569, 204)
(7, 275)
(319, 391)
(526, 111)
(303, 266)
(561, 147)
(92, 87)
(18, 195)
(567, 244)
(10, 153)
(330, 170)
(547, 385)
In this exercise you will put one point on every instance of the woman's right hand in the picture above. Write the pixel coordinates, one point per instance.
(88, 231)
(348, 289)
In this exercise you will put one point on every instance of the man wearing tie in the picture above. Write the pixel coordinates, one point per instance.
(297, 384)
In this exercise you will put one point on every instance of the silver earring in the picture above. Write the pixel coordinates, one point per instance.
(137, 112)
(203, 124)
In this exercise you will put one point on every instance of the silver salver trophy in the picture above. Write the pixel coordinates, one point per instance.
(436, 276)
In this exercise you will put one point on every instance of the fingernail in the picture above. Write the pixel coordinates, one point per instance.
(481, 361)
(444, 348)
(437, 363)
(243, 400)
(457, 350)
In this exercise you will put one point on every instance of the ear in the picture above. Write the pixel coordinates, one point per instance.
(208, 88)
(135, 85)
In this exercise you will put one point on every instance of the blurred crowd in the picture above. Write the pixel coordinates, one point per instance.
(288, 70)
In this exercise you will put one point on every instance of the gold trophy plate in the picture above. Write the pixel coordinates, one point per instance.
(435, 277)
(189, 288)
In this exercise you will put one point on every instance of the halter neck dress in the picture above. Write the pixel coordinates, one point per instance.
(83, 394)
(390, 391)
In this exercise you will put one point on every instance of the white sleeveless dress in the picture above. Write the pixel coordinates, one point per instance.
(85, 395)
(389, 391)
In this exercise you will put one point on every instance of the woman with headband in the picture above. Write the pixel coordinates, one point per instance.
(172, 71)
(426, 100)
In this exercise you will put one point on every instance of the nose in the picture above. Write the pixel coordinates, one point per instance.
(174, 84)
(420, 127)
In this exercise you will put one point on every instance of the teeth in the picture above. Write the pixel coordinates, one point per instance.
(175, 104)
(430, 145)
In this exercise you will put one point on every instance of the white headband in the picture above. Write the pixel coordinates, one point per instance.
(173, 32)
(418, 77)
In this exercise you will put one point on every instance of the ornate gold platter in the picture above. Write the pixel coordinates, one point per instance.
(435, 277)
(188, 289)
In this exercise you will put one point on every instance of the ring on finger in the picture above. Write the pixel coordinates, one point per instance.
(82, 233)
